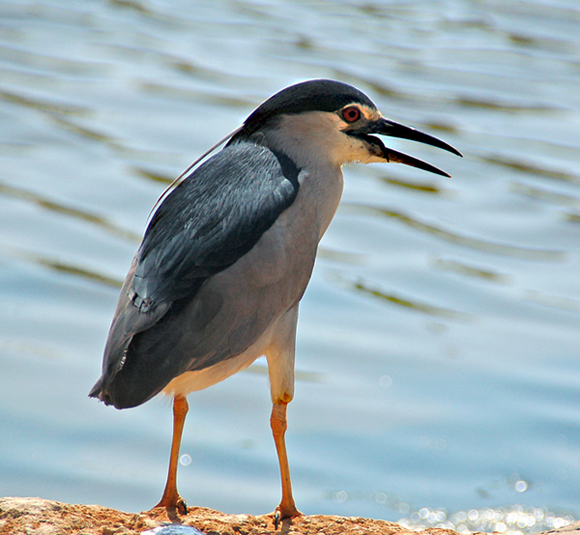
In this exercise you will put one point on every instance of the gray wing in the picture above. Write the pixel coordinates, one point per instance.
(206, 224)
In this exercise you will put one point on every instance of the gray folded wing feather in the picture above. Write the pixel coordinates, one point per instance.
(213, 218)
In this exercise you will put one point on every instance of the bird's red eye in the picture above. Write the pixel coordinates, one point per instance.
(351, 114)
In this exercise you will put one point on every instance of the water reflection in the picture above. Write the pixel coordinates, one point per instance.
(470, 271)
(68, 211)
(69, 269)
(45, 65)
(528, 168)
(43, 105)
(496, 105)
(423, 187)
(466, 241)
(152, 175)
(510, 521)
(84, 131)
(551, 197)
(374, 290)
(178, 93)
(553, 301)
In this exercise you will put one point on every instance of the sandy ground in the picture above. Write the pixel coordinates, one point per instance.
(36, 516)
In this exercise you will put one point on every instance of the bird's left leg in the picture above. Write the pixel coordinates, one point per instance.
(171, 497)
(280, 357)
(287, 507)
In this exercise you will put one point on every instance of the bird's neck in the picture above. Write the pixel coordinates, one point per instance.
(306, 143)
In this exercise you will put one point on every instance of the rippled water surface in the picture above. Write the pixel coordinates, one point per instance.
(438, 348)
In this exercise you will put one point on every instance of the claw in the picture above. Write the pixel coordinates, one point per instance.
(181, 506)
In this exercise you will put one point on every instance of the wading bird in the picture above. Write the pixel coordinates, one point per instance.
(229, 251)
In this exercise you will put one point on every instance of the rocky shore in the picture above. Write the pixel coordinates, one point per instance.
(36, 516)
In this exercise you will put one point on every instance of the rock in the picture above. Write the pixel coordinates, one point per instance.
(36, 516)
(572, 529)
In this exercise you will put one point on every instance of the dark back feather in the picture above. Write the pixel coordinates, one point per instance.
(207, 223)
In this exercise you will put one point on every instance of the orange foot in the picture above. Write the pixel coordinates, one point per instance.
(282, 513)
(176, 502)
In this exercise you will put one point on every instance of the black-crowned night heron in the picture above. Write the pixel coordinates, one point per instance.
(229, 251)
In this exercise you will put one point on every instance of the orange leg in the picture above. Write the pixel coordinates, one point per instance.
(287, 508)
(171, 497)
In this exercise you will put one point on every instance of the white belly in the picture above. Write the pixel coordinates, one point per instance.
(198, 380)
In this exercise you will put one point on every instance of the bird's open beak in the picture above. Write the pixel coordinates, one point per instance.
(390, 128)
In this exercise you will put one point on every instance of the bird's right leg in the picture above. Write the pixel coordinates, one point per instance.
(171, 497)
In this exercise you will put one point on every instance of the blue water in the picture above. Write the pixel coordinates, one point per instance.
(438, 347)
